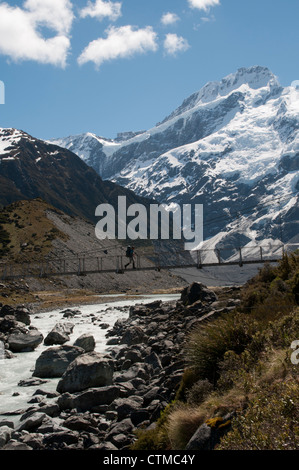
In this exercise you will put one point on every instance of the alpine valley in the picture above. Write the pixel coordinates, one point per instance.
(233, 146)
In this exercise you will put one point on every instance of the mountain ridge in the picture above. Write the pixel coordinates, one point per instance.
(233, 144)
(31, 168)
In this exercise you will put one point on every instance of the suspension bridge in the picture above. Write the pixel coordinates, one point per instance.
(100, 263)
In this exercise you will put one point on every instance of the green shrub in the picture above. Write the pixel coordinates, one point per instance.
(209, 343)
(270, 421)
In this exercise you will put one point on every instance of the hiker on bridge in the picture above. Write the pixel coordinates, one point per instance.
(130, 253)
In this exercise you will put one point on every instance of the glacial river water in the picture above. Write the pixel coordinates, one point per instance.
(14, 397)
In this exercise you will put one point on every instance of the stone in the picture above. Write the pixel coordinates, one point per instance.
(121, 440)
(197, 291)
(6, 422)
(133, 356)
(61, 437)
(33, 440)
(111, 415)
(133, 335)
(69, 313)
(7, 310)
(139, 416)
(20, 342)
(8, 323)
(86, 371)
(106, 446)
(5, 434)
(80, 423)
(36, 399)
(60, 334)
(153, 360)
(156, 304)
(53, 362)
(123, 427)
(32, 422)
(86, 342)
(125, 406)
(50, 409)
(112, 342)
(90, 399)
(49, 426)
(151, 395)
(31, 382)
(22, 315)
(13, 445)
(136, 371)
(209, 434)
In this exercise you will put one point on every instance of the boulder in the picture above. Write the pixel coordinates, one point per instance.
(133, 356)
(53, 362)
(22, 315)
(89, 399)
(13, 445)
(202, 439)
(86, 371)
(197, 291)
(86, 342)
(209, 434)
(125, 406)
(133, 335)
(6, 310)
(124, 427)
(5, 433)
(32, 422)
(60, 334)
(57, 439)
(139, 416)
(154, 360)
(69, 313)
(81, 423)
(136, 371)
(34, 440)
(8, 323)
(24, 342)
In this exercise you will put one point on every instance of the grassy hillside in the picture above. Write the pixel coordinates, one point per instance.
(241, 363)
(26, 234)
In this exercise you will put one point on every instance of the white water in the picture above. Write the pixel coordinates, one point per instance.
(22, 365)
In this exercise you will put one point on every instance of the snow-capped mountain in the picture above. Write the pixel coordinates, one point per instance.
(233, 146)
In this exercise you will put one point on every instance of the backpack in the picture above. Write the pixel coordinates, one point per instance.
(129, 252)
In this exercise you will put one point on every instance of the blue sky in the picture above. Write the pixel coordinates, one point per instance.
(74, 66)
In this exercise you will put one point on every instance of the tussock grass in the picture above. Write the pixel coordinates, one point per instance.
(241, 363)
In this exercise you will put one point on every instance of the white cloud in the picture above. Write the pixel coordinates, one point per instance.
(55, 14)
(169, 18)
(101, 9)
(174, 44)
(120, 43)
(203, 4)
(21, 39)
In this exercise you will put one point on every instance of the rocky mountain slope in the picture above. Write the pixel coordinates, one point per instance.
(31, 168)
(233, 146)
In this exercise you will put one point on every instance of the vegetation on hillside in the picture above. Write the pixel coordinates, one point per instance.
(241, 363)
(26, 234)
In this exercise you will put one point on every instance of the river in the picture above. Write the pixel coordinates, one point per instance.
(21, 366)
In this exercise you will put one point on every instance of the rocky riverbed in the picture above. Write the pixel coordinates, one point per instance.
(101, 400)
